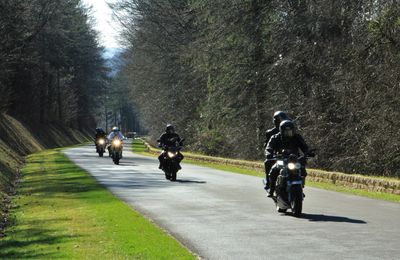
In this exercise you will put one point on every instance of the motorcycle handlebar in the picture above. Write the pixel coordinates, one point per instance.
(281, 157)
(166, 147)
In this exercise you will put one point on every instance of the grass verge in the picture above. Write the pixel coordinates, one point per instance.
(62, 212)
(140, 148)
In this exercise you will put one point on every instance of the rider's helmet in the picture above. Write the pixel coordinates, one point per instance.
(278, 117)
(170, 129)
(287, 129)
(115, 129)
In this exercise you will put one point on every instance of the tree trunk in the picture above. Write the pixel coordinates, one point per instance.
(59, 102)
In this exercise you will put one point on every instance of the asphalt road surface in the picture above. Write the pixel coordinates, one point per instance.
(221, 215)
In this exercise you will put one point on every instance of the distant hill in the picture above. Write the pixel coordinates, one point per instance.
(113, 58)
(111, 52)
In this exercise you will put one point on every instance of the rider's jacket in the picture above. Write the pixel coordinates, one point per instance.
(118, 134)
(169, 139)
(269, 133)
(293, 145)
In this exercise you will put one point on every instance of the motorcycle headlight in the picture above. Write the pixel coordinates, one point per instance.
(294, 166)
(171, 154)
(117, 142)
(101, 141)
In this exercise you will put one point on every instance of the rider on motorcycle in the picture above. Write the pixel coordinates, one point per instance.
(100, 134)
(289, 141)
(168, 139)
(278, 117)
(115, 133)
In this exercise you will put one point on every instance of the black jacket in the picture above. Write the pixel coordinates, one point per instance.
(269, 133)
(277, 145)
(169, 139)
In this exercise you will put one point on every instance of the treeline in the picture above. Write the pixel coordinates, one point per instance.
(219, 69)
(118, 109)
(51, 66)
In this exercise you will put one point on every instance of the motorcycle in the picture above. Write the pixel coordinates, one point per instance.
(171, 164)
(100, 146)
(290, 183)
(116, 150)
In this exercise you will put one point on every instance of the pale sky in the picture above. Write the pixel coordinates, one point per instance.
(105, 24)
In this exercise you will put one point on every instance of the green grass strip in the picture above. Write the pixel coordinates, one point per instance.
(62, 212)
(139, 147)
(359, 192)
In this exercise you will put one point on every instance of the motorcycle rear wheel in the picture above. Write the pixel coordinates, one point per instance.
(281, 210)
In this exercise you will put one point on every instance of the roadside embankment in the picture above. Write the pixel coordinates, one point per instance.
(353, 181)
(18, 140)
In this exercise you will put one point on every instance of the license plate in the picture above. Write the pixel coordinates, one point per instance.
(295, 182)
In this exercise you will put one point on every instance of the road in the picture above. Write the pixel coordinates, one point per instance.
(221, 215)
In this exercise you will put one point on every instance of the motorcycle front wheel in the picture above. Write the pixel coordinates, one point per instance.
(296, 200)
(116, 158)
(173, 175)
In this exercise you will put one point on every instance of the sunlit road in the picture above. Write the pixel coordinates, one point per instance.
(220, 215)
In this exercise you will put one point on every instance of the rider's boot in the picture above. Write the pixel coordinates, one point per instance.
(272, 189)
(267, 186)
(271, 192)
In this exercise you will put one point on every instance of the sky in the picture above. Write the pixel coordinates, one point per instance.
(105, 25)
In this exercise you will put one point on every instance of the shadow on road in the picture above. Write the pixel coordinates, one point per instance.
(327, 218)
(190, 181)
(125, 163)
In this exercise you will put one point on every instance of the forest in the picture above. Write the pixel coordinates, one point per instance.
(219, 69)
(51, 65)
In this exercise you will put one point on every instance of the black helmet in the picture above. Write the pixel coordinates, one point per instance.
(99, 130)
(286, 128)
(170, 128)
(278, 117)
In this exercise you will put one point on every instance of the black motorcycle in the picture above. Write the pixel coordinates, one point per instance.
(171, 164)
(116, 150)
(290, 183)
(100, 146)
